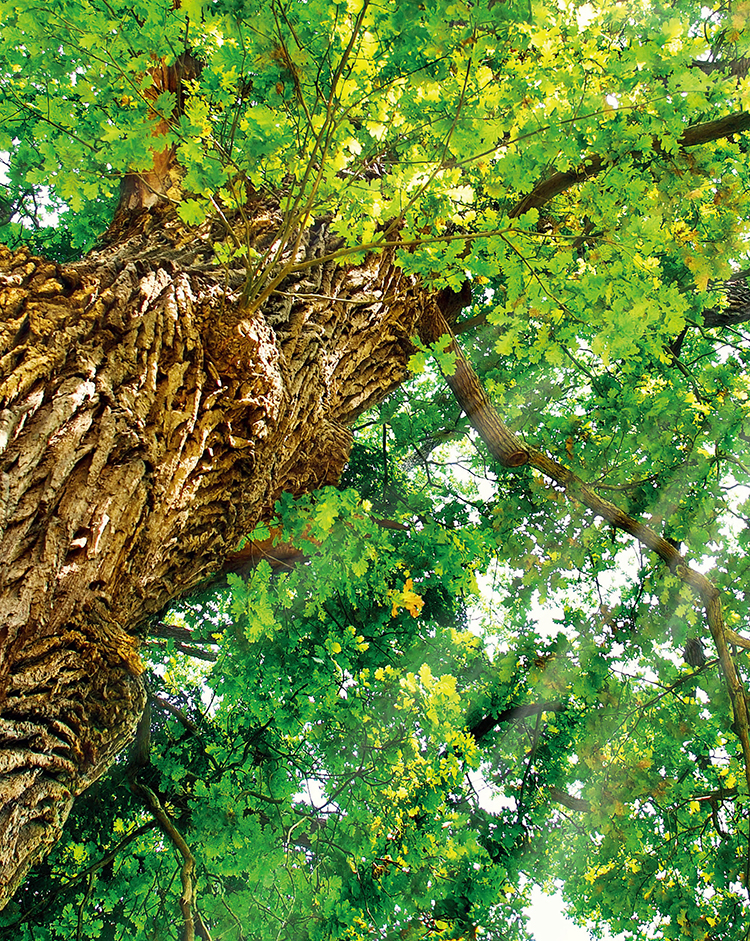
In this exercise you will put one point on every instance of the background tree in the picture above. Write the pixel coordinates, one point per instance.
(301, 200)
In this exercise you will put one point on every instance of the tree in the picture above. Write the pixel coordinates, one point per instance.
(311, 195)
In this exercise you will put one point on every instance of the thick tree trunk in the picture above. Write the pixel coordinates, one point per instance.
(146, 424)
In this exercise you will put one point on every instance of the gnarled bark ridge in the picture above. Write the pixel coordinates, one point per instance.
(147, 422)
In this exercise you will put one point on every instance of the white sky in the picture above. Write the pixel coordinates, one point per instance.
(549, 924)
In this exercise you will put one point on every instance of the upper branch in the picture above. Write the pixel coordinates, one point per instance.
(511, 452)
(561, 181)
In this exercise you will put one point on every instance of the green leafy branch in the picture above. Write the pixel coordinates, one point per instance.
(511, 452)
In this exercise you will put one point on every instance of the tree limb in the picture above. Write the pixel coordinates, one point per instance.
(187, 871)
(737, 639)
(196, 652)
(177, 713)
(140, 758)
(567, 800)
(591, 166)
(488, 723)
(511, 452)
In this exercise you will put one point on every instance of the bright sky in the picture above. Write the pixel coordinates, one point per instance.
(546, 918)
(548, 923)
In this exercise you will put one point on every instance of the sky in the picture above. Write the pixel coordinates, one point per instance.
(548, 923)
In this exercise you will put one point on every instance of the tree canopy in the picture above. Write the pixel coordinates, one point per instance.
(509, 648)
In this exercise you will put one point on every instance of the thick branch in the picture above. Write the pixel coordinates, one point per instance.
(185, 640)
(559, 182)
(197, 653)
(488, 723)
(140, 758)
(737, 639)
(736, 68)
(567, 800)
(167, 706)
(465, 385)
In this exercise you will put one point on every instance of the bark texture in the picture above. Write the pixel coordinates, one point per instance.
(147, 422)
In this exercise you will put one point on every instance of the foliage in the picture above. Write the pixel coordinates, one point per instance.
(379, 749)
(422, 119)
(322, 766)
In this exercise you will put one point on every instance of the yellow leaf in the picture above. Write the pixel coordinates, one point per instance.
(408, 599)
(446, 685)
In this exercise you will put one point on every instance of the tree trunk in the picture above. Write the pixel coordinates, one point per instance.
(147, 422)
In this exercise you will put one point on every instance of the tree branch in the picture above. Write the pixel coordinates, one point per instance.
(177, 713)
(511, 452)
(567, 800)
(140, 758)
(504, 446)
(561, 181)
(196, 652)
(187, 871)
(488, 723)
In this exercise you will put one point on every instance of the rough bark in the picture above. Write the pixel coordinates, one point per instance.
(147, 422)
